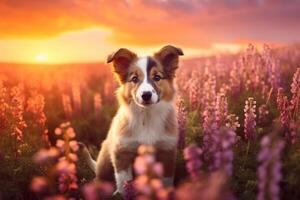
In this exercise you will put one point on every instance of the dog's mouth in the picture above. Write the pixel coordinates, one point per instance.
(146, 104)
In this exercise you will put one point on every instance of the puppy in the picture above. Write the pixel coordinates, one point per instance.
(146, 114)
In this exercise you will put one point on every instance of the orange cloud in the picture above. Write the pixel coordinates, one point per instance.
(193, 23)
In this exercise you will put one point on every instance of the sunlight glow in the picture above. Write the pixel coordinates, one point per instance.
(41, 57)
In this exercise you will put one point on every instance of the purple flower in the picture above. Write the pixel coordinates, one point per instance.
(219, 135)
(39, 184)
(269, 170)
(97, 190)
(182, 121)
(249, 121)
(148, 184)
(288, 116)
(193, 163)
(295, 90)
(44, 155)
(194, 91)
(129, 191)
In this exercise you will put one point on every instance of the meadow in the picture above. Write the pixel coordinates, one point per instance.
(239, 124)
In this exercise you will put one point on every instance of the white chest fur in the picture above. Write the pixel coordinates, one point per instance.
(147, 126)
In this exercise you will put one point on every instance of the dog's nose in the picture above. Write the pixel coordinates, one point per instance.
(146, 96)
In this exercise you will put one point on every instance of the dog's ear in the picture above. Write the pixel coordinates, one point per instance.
(121, 61)
(169, 56)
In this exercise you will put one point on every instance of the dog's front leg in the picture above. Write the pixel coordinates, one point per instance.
(122, 160)
(167, 157)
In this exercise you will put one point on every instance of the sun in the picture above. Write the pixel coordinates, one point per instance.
(41, 57)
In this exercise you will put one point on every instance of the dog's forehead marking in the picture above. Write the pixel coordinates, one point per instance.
(142, 64)
(150, 64)
(145, 64)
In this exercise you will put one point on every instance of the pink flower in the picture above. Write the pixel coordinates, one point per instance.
(60, 144)
(70, 132)
(58, 131)
(193, 163)
(65, 125)
(250, 119)
(158, 169)
(182, 121)
(73, 157)
(97, 190)
(74, 145)
(45, 155)
(130, 192)
(269, 170)
(39, 184)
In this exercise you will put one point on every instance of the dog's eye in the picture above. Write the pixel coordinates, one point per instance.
(135, 79)
(157, 78)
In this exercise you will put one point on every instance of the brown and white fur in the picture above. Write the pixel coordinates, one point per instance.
(146, 115)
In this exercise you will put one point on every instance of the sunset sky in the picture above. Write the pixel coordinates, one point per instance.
(60, 31)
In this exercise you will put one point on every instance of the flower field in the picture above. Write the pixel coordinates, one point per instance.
(239, 128)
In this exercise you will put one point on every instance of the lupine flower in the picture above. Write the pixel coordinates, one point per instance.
(35, 105)
(192, 156)
(194, 91)
(45, 155)
(209, 187)
(129, 191)
(219, 135)
(148, 183)
(39, 184)
(70, 132)
(58, 131)
(221, 111)
(64, 157)
(294, 106)
(211, 138)
(66, 168)
(283, 106)
(182, 122)
(228, 136)
(65, 125)
(56, 197)
(269, 170)
(287, 119)
(4, 107)
(235, 79)
(17, 109)
(97, 190)
(295, 90)
(209, 89)
(271, 66)
(258, 70)
(250, 119)
(232, 122)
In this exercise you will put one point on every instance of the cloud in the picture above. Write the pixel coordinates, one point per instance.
(193, 23)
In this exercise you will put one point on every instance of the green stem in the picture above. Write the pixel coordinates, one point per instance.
(247, 152)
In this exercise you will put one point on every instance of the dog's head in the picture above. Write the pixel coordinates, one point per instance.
(146, 80)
